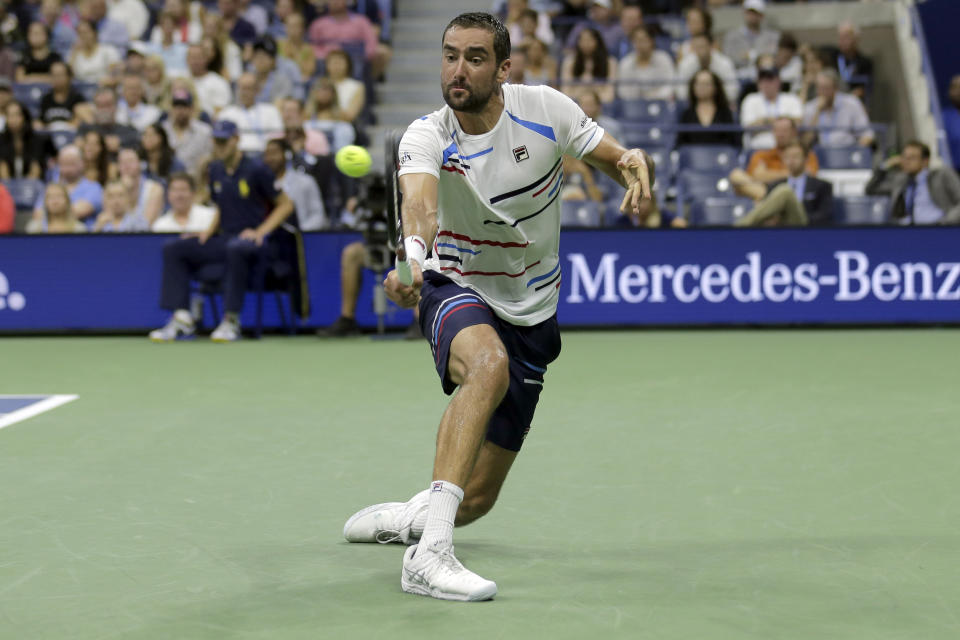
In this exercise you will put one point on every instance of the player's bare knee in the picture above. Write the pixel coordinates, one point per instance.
(490, 366)
(352, 254)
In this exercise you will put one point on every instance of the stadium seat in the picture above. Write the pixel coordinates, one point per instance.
(664, 165)
(698, 185)
(707, 158)
(855, 210)
(719, 211)
(636, 134)
(655, 111)
(579, 213)
(844, 157)
(30, 94)
(62, 138)
(86, 89)
(24, 192)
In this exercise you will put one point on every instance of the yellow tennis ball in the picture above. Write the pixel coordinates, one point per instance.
(353, 161)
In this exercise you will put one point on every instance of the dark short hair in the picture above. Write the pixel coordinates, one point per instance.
(530, 13)
(924, 149)
(787, 41)
(183, 176)
(280, 142)
(488, 22)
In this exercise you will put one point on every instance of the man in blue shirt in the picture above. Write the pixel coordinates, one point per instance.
(249, 208)
(918, 194)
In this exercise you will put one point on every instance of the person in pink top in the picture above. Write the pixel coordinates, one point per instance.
(340, 26)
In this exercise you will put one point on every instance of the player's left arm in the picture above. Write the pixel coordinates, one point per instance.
(633, 168)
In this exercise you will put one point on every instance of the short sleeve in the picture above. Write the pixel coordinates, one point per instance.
(420, 150)
(577, 134)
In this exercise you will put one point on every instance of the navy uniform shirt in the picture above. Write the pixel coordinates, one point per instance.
(246, 197)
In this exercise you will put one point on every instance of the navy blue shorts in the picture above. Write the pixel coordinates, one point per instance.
(446, 308)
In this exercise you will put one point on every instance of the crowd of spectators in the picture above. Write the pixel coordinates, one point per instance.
(113, 102)
(96, 95)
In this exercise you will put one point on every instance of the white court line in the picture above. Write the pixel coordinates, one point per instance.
(35, 409)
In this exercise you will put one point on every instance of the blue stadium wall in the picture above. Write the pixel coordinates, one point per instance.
(609, 278)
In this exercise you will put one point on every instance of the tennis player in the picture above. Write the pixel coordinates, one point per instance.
(481, 181)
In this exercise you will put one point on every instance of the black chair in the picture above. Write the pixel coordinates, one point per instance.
(281, 271)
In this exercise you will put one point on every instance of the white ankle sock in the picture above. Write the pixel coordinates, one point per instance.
(182, 315)
(445, 498)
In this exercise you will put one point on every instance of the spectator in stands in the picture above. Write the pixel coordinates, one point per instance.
(257, 121)
(323, 111)
(314, 142)
(6, 97)
(744, 44)
(341, 26)
(813, 64)
(855, 69)
(647, 73)
(96, 160)
(255, 14)
(55, 213)
(86, 196)
(89, 59)
(631, 19)
(602, 19)
(213, 90)
(224, 55)
(188, 28)
(159, 158)
(61, 23)
(951, 120)
(134, 61)
(8, 62)
(118, 215)
(249, 208)
(589, 67)
(518, 65)
(172, 51)
(918, 194)
(703, 56)
(797, 200)
(109, 31)
(541, 67)
(518, 12)
(839, 118)
(185, 215)
(351, 94)
(592, 107)
(132, 110)
(105, 122)
(768, 104)
(191, 139)
(699, 22)
(272, 83)
(299, 187)
(156, 84)
(38, 58)
(578, 182)
(9, 24)
(145, 194)
(293, 46)
(8, 211)
(61, 106)
(708, 107)
(788, 62)
(282, 10)
(234, 24)
(23, 151)
(768, 165)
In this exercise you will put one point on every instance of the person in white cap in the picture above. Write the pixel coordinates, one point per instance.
(745, 43)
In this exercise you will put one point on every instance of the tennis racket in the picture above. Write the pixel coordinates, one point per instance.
(392, 158)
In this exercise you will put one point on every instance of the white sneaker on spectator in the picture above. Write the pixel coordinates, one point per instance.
(175, 329)
(439, 574)
(387, 522)
(227, 331)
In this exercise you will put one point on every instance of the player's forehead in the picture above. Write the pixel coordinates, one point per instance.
(468, 39)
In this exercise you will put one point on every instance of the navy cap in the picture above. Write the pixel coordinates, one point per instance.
(223, 129)
(266, 44)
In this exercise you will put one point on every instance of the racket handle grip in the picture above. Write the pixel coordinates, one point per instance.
(404, 274)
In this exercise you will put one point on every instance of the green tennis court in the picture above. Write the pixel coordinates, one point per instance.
(676, 484)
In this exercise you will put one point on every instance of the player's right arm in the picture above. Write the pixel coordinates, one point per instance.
(419, 214)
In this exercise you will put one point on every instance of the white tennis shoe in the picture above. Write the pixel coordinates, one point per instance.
(226, 331)
(439, 574)
(387, 522)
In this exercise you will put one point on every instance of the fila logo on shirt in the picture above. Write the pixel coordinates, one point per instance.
(520, 153)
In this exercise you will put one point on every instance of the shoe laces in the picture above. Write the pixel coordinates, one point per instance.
(447, 562)
(386, 536)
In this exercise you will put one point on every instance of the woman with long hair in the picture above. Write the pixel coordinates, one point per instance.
(229, 51)
(57, 213)
(295, 47)
(90, 60)
(36, 61)
(589, 67)
(145, 194)
(156, 84)
(96, 158)
(708, 107)
(351, 94)
(541, 65)
(23, 151)
(156, 152)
